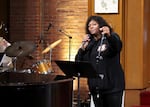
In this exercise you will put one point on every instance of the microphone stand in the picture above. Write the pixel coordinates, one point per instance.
(99, 56)
(69, 42)
(70, 37)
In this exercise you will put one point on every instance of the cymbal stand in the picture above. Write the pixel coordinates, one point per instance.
(50, 59)
(15, 63)
(50, 55)
(61, 31)
(70, 37)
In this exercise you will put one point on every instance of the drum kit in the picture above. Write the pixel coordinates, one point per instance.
(24, 48)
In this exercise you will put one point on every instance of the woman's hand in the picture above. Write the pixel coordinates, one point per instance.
(105, 30)
(85, 41)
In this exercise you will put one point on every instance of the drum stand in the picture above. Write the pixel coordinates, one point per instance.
(50, 55)
(50, 59)
(15, 64)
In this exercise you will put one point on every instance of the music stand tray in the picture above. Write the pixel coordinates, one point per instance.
(72, 68)
(77, 69)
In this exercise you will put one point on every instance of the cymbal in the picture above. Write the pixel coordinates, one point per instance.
(19, 49)
(51, 46)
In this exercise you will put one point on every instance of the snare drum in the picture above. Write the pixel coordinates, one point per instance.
(42, 67)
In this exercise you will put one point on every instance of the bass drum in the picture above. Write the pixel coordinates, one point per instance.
(42, 67)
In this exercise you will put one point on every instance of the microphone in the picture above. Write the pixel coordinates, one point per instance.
(49, 26)
(90, 37)
(90, 43)
(61, 31)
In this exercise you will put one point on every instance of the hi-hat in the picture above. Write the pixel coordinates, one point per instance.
(19, 49)
(51, 46)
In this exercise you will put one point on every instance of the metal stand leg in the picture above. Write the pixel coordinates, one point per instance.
(15, 64)
(79, 90)
(50, 55)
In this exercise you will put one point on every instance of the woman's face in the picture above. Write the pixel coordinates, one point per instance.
(93, 27)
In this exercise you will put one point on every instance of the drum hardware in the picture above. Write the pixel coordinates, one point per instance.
(15, 63)
(42, 67)
(25, 71)
(69, 37)
(64, 33)
(19, 49)
(51, 46)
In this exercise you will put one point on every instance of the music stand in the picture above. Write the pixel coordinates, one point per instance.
(77, 69)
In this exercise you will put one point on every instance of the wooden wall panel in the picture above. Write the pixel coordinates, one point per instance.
(132, 97)
(134, 44)
(146, 44)
(137, 47)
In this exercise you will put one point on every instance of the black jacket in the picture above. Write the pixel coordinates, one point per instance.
(110, 75)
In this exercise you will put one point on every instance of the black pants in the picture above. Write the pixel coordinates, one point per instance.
(108, 100)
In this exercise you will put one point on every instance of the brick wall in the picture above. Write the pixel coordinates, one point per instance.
(29, 20)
